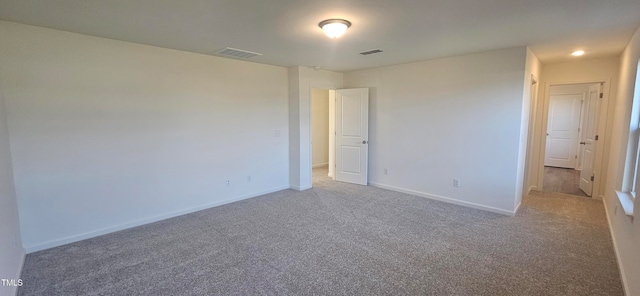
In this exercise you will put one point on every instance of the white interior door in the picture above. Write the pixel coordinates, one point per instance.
(352, 135)
(592, 105)
(562, 131)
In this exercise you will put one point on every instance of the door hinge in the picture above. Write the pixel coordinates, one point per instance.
(601, 95)
(593, 178)
(597, 137)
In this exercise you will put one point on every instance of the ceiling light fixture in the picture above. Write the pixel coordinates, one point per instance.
(577, 53)
(334, 28)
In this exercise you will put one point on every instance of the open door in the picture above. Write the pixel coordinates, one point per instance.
(592, 104)
(562, 131)
(352, 135)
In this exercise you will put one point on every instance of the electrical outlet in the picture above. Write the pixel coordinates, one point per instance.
(386, 171)
(228, 182)
(248, 178)
(456, 183)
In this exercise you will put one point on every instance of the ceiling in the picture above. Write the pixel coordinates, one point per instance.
(286, 32)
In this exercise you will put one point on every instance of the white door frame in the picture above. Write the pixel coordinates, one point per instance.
(533, 111)
(602, 121)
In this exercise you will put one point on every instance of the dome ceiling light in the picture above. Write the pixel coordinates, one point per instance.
(334, 28)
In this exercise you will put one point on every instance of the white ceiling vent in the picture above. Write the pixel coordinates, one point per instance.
(371, 51)
(238, 53)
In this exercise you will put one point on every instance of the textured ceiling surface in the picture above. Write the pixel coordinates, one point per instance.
(286, 32)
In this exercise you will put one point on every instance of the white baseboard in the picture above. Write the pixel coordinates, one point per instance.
(625, 286)
(105, 230)
(446, 199)
(300, 188)
(326, 164)
(517, 208)
(531, 188)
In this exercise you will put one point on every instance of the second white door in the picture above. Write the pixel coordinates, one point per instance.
(562, 131)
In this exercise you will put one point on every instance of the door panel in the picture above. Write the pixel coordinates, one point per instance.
(351, 159)
(351, 116)
(592, 105)
(561, 149)
(352, 130)
(562, 130)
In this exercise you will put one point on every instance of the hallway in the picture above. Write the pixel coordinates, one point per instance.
(562, 180)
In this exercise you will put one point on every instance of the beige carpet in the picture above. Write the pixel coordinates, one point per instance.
(343, 239)
(562, 180)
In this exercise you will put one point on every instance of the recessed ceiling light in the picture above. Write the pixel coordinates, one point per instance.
(334, 28)
(577, 53)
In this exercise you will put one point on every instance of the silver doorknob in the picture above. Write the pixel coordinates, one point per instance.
(364, 142)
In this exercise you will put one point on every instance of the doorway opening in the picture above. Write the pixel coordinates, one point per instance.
(321, 139)
(571, 138)
(339, 128)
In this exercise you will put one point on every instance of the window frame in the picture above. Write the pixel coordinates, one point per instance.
(631, 177)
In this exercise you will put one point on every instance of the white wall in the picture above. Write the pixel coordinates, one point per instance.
(11, 251)
(583, 70)
(301, 81)
(457, 117)
(320, 126)
(625, 231)
(107, 134)
(295, 114)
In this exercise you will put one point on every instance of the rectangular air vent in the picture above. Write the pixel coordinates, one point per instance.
(238, 53)
(371, 52)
